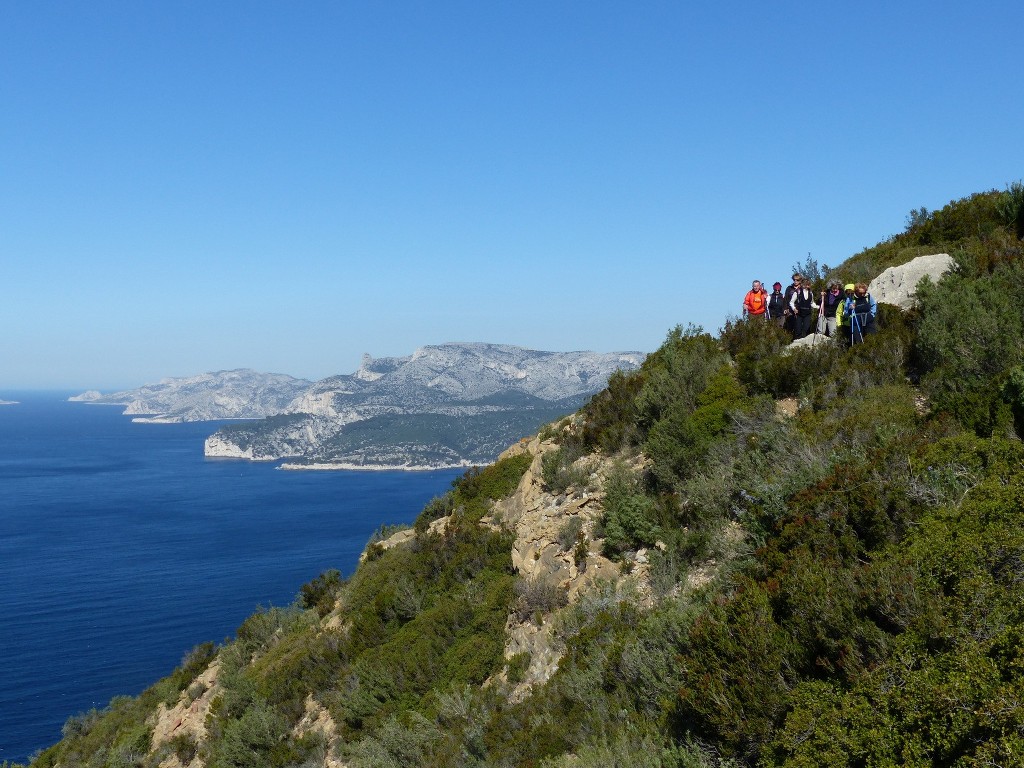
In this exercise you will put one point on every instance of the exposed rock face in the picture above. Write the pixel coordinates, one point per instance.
(317, 720)
(186, 718)
(897, 285)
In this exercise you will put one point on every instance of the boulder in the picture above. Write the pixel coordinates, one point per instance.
(897, 285)
(810, 340)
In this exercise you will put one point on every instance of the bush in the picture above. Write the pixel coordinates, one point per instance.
(679, 440)
(321, 593)
(630, 518)
(570, 533)
(538, 596)
(609, 420)
(971, 336)
(438, 507)
(252, 740)
(752, 337)
(1011, 207)
(561, 469)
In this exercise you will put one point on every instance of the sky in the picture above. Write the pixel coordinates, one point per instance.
(284, 186)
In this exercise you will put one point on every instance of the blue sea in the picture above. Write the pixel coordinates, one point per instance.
(122, 547)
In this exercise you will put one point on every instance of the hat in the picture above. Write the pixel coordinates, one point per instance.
(777, 286)
(849, 287)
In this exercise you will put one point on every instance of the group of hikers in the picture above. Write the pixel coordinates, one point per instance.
(847, 313)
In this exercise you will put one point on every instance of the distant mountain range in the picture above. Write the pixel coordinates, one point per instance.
(239, 394)
(444, 405)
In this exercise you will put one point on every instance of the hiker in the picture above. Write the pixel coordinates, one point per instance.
(861, 310)
(831, 301)
(800, 306)
(777, 305)
(755, 303)
(787, 297)
(842, 317)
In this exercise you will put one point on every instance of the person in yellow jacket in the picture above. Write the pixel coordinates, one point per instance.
(842, 322)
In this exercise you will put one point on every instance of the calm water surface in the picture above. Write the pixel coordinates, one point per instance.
(121, 548)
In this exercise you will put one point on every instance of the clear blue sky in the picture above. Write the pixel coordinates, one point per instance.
(196, 186)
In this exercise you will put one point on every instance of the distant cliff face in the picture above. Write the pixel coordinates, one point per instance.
(444, 405)
(238, 394)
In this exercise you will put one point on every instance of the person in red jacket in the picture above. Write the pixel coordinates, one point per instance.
(755, 303)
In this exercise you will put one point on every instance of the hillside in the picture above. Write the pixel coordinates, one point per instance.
(738, 555)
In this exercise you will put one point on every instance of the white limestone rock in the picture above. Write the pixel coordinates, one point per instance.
(898, 285)
(86, 397)
(237, 394)
(810, 340)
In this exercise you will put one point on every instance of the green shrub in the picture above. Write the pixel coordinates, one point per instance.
(679, 440)
(971, 336)
(570, 533)
(677, 373)
(630, 518)
(538, 596)
(752, 338)
(257, 739)
(1010, 207)
(321, 593)
(560, 469)
(609, 419)
(436, 508)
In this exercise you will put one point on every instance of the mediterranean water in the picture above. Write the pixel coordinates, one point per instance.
(122, 548)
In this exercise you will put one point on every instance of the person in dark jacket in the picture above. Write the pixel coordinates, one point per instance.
(787, 298)
(777, 305)
(831, 301)
(862, 310)
(801, 306)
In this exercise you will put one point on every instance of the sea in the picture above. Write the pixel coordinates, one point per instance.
(122, 548)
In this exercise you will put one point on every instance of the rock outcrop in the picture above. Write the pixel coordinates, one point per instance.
(898, 285)
(186, 719)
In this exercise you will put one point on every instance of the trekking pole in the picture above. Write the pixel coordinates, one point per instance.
(855, 329)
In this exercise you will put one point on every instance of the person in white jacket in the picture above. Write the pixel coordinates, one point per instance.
(801, 306)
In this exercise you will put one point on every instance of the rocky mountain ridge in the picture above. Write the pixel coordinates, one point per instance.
(237, 394)
(445, 405)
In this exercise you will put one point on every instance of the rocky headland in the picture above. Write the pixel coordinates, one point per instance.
(447, 405)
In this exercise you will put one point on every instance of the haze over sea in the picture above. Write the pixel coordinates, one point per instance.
(122, 548)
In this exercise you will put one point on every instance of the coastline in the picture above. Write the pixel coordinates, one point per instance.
(328, 467)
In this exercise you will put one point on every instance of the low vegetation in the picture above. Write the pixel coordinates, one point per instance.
(867, 608)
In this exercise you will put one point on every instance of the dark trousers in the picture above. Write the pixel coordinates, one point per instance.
(801, 326)
(855, 334)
